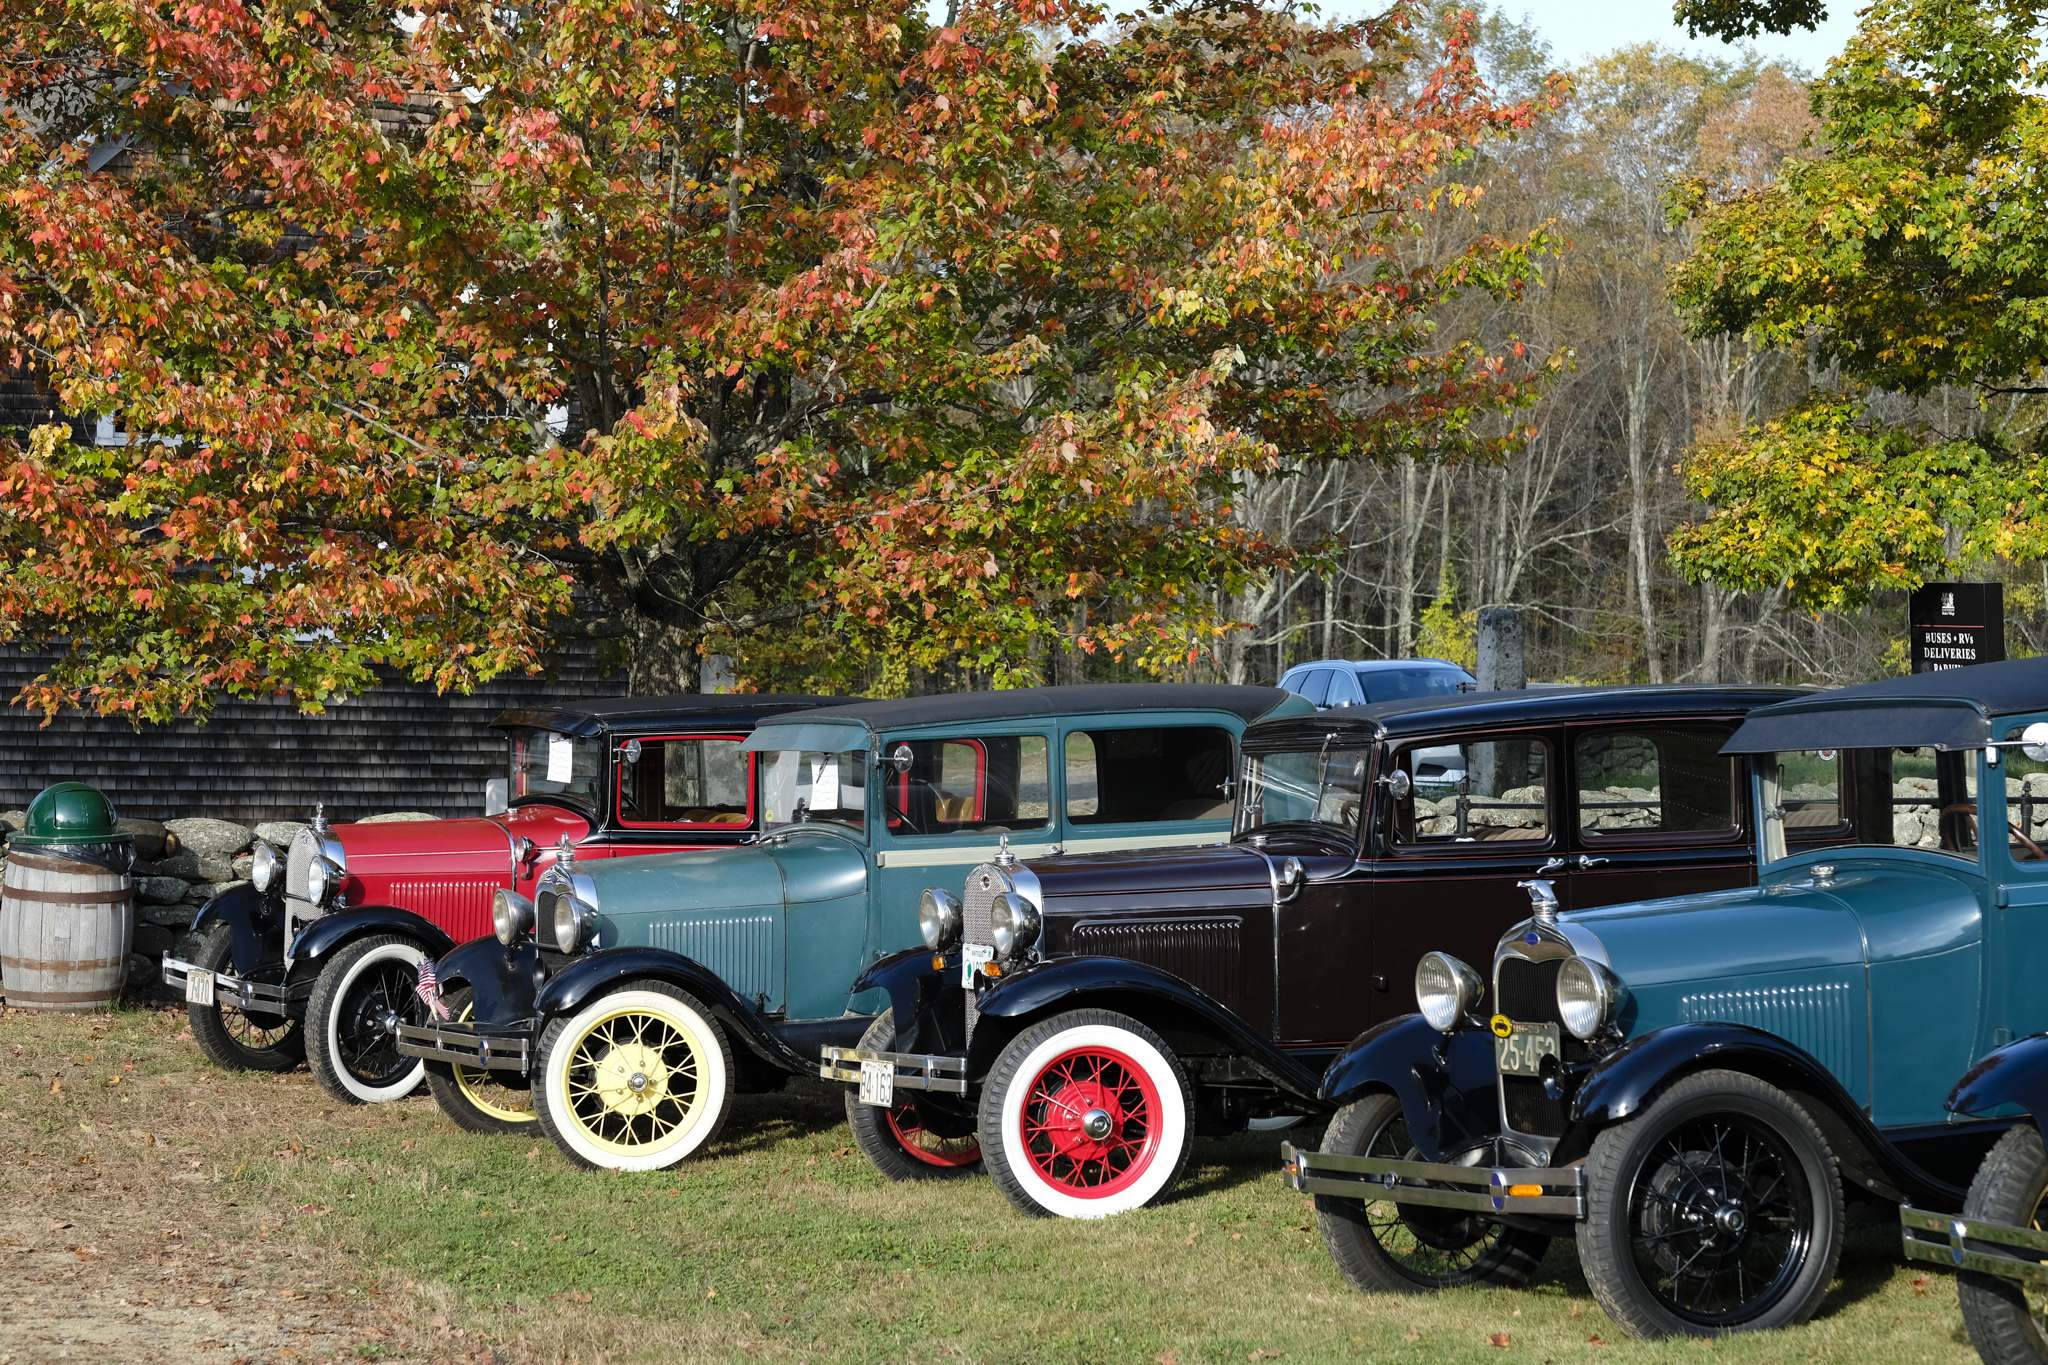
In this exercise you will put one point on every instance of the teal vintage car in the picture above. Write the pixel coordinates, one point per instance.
(636, 996)
(1698, 1088)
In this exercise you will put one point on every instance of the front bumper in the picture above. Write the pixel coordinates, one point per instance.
(1484, 1189)
(1994, 1248)
(488, 1047)
(912, 1071)
(199, 986)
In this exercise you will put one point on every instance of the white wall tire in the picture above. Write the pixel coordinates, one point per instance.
(637, 1079)
(1123, 1072)
(352, 1016)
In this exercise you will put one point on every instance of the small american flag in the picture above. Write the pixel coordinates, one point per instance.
(429, 989)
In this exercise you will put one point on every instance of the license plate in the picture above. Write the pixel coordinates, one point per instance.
(878, 1083)
(198, 986)
(973, 956)
(1521, 1053)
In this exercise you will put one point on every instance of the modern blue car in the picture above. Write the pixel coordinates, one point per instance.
(1697, 1088)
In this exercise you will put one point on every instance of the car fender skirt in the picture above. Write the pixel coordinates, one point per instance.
(911, 981)
(2014, 1074)
(330, 932)
(1624, 1081)
(587, 976)
(1446, 1082)
(504, 983)
(255, 922)
(1159, 999)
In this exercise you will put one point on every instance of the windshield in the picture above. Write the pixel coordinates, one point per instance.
(801, 785)
(1321, 793)
(557, 767)
(1399, 684)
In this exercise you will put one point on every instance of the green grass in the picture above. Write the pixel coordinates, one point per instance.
(783, 1245)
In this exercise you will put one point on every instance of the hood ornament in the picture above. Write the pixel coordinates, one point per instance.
(1005, 858)
(319, 817)
(1542, 899)
(566, 853)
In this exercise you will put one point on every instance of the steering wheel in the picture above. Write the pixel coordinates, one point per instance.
(2033, 849)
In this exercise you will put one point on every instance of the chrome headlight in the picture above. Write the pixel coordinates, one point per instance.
(938, 918)
(1446, 990)
(511, 916)
(574, 923)
(1013, 924)
(1587, 997)
(323, 879)
(265, 867)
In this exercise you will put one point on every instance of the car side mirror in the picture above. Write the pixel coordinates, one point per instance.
(2034, 741)
(899, 759)
(1399, 784)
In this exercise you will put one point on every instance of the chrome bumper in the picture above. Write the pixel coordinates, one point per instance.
(490, 1047)
(229, 989)
(1938, 1238)
(914, 1071)
(1485, 1189)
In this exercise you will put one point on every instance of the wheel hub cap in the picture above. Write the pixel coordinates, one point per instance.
(1084, 1121)
(389, 1023)
(1730, 1218)
(631, 1079)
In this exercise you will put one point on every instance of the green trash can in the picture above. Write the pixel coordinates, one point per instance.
(67, 913)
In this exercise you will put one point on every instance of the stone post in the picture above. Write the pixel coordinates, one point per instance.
(1503, 667)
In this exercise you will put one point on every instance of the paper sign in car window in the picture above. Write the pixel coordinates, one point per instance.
(561, 758)
(825, 786)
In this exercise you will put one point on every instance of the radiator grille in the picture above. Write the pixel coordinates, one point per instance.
(1526, 991)
(984, 884)
(461, 906)
(305, 847)
(1204, 952)
(740, 950)
(1817, 1018)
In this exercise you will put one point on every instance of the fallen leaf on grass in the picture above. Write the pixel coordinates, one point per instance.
(113, 1080)
(572, 1295)
(1919, 1289)
(1166, 1357)
(1237, 1237)
(844, 1151)
(711, 1293)
(673, 1192)
(85, 1253)
(185, 1036)
(1265, 1355)
(56, 1086)
(56, 1226)
(532, 1153)
(1594, 1340)
(1575, 1310)
(1411, 1335)
(1498, 1339)
(1191, 1238)
(558, 1237)
(811, 1162)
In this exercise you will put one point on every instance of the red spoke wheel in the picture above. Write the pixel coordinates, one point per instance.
(901, 1142)
(1085, 1115)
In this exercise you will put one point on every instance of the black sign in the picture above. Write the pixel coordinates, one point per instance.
(1954, 624)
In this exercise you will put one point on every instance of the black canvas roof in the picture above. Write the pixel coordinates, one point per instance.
(1950, 709)
(1081, 699)
(640, 715)
(1481, 710)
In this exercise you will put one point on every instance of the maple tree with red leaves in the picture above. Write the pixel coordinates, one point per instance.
(815, 332)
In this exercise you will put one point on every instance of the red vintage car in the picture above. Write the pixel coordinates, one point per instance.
(329, 936)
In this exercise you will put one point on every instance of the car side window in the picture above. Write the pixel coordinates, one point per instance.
(1657, 780)
(702, 782)
(1934, 801)
(993, 785)
(1467, 792)
(1150, 773)
(2026, 804)
(1316, 686)
(1344, 689)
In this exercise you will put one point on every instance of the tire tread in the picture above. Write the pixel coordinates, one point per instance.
(2007, 1188)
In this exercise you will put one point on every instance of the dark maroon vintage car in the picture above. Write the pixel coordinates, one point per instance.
(328, 937)
(1087, 1015)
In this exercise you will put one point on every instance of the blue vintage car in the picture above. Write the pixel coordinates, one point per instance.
(1695, 1087)
(633, 997)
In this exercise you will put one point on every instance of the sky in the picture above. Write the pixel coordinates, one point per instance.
(1578, 29)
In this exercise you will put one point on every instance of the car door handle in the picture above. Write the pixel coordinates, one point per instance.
(1553, 865)
(1587, 862)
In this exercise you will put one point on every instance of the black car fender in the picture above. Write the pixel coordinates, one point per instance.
(592, 975)
(1625, 1081)
(2016, 1074)
(334, 931)
(912, 982)
(255, 923)
(1158, 999)
(1446, 1082)
(504, 983)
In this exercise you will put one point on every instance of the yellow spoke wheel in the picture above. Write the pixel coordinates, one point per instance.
(495, 1101)
(637, 1079)
(475, 1099)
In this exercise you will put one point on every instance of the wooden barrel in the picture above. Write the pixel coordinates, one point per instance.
(66, 930)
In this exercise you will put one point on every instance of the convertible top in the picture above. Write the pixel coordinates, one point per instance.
(1951, 709)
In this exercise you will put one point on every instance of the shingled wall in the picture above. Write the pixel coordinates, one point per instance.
(400, 747)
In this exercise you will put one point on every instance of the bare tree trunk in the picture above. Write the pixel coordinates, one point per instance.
(665, 661)
(1639, 504)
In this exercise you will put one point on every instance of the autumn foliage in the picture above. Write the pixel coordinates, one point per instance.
(807, 331)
